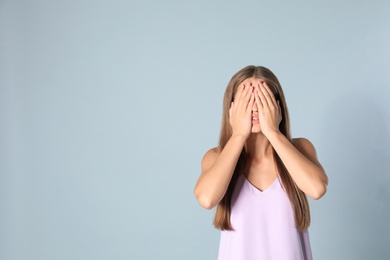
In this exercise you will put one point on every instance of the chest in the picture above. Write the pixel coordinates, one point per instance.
(261, 175)
(254, 207)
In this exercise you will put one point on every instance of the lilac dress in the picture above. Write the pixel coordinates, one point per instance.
(264, 226)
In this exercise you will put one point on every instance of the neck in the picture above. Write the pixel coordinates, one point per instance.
(258, 147)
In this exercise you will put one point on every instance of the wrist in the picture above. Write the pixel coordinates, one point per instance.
(273, 135)
(240, 138)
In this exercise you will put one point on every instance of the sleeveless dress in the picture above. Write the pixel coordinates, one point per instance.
(264, 226)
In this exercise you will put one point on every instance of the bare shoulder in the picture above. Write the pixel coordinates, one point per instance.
(304, 146)
(210, 157)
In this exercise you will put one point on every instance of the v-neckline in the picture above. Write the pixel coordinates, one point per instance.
(257, 189)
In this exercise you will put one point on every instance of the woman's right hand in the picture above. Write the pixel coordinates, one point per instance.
(240, 112)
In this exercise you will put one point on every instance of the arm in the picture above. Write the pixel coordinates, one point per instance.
(217, 171)
(301, 161)
(218, 166)
(299, 157)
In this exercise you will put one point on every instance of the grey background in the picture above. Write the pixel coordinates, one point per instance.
(107, 107)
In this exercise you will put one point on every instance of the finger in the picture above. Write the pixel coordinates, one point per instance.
(241, 93)
(250, 104)
(262, 97)
(230, 112)
(270, 93)
(245, 96)
(257, 98)
(280, 110)
(240, 89)
(267, 96)
(248, 94)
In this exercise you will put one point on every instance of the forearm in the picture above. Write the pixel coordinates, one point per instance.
(214, 181)
(308, 175)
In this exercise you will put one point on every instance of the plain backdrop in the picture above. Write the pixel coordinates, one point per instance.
(107, 108)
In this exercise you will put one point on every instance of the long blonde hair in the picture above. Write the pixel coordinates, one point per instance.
(297, 197)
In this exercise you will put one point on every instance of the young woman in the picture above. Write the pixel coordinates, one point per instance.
(258, 177)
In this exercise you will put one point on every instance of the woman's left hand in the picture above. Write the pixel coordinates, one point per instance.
(270, 114)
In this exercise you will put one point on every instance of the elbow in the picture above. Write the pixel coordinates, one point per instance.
(319, 189)
(317, 193)
(205, 201)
